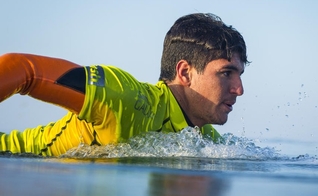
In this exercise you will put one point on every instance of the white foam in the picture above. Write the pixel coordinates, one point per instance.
(189, 142)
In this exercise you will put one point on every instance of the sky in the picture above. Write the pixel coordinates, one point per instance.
(279, 107)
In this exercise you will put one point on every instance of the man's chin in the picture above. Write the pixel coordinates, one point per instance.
(221, 121)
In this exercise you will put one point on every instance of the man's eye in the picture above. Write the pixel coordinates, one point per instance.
(226, 73)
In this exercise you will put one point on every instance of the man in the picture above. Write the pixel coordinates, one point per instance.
(201, 66)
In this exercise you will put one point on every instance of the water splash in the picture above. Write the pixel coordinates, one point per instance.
(189, 142)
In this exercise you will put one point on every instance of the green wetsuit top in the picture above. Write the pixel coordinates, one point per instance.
(116, 107)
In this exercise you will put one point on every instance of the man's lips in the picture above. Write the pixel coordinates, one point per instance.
(229, 105)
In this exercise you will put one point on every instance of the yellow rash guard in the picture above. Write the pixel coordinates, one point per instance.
(116, 107)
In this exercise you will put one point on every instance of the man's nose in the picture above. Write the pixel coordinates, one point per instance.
(237, 87)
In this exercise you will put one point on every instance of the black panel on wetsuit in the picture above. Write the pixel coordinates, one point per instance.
(74, 79)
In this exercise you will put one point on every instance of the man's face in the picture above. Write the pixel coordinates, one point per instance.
(213, 93)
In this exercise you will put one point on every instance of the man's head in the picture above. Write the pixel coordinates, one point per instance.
(198, 39)
(202, 63)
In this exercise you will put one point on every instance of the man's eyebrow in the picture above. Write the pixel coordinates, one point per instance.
(234, 68)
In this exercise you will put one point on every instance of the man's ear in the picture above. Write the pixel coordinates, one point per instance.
(183, 74)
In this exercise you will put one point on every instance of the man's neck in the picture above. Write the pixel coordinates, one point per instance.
(178, 93)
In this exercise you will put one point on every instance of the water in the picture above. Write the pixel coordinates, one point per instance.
(183, 163)
(189, 142)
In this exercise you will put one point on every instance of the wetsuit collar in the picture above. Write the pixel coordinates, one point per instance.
(178, 118)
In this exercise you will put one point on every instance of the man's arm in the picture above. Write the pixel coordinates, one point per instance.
(51, 80)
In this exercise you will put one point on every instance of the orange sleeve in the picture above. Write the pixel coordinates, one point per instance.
(36, 76)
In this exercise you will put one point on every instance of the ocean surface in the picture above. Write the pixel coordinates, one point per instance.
(183, 163)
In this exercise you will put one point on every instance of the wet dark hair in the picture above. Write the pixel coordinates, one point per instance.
(199, 38)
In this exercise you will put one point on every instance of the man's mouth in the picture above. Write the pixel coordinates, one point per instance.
(229, 105)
